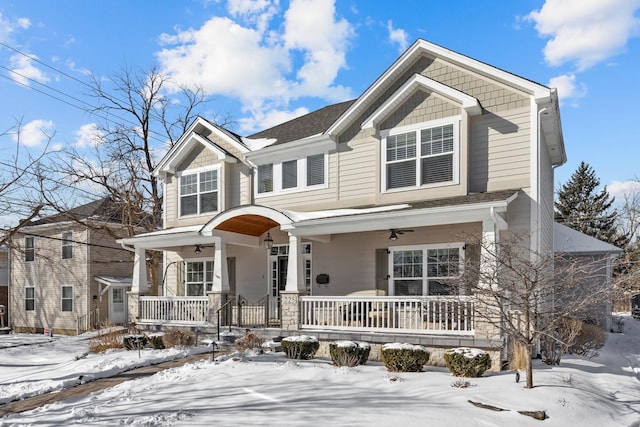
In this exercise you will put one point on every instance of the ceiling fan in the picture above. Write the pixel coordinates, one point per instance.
(395, 232)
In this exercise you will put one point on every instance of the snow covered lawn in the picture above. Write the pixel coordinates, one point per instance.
(269, 390)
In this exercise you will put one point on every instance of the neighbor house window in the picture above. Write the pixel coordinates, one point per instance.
(424, 270)
(67, 298)
(29, 248)
(199, 277)
(315, 170)
(199, 192)
(29, 298)
(67, 245)
(423, 156)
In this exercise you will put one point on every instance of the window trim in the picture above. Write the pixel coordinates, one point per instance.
(207, 286)
(29, 250)
(67, 243)
(197, 171)
(32, 299)
(67, 299)
(425, 272)
(453, 120)
(301, 170)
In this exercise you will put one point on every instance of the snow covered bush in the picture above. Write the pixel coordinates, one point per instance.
(106, 341)
(178, 338)
(399, 357)
(250, 341)
(467, 362)
(134, 341)
(156, 342)
(300, 347)
(349, 353)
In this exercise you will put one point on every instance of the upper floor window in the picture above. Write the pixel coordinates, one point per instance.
(297, 174)
(199, 192)
(421, 157)
(67, 245)
(29, 248)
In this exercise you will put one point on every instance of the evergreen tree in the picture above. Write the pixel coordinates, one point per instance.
(581, 207)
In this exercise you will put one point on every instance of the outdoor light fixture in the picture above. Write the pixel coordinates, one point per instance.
(198, 250)
(393, 236)
(268, 241)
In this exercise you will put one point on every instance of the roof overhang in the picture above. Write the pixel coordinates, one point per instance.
(107, 282)
(304, 147)
(417, 83)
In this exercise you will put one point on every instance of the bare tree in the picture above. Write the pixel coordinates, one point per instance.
(18, 196)
(528, 295)
(142, 114)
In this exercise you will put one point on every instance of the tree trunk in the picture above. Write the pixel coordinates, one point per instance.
(528, 364)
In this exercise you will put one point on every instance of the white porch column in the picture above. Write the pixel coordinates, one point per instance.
(139, 283)
(295, 269)
(220, 272)
(488, 249)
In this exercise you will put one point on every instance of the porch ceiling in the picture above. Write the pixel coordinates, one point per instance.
(252, 225)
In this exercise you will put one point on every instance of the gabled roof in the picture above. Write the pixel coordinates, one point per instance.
(570, 241)
(314, 123)
(104, 209)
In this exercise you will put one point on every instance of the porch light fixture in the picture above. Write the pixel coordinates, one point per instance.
(268, 241)
(198, 250)
(393, 236)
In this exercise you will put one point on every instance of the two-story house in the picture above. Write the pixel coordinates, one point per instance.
(68, 274)
(361, 206)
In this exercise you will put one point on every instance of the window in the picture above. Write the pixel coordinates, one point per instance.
(424, 270)
(289, 174)
(67, 245)
(29, 248)
(199, 193)
(29, 298)
(265, 178)
(67, 298)
(424, 156)
(199, 277)
(315, 170)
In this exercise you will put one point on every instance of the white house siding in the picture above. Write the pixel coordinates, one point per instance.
(500, 151)
(546, 201)
(47, 274)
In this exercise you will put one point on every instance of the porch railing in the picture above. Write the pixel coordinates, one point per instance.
(187, 310)
(432, 314)
(87, 322)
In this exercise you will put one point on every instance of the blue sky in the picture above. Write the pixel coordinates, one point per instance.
(264, 62)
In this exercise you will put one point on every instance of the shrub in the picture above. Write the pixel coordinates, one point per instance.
(250, 341)
(134, 342)
(349, 353)
(300, 347)
(588, 341)
(106, 341)
(467, 362)
(156, 341)
(178, 338)
(518, 357)
(404, 357)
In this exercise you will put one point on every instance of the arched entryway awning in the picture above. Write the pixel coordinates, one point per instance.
(251, 220)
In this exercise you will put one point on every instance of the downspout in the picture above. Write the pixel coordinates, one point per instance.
(538, 180)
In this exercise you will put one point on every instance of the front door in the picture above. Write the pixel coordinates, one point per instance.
(117, 313)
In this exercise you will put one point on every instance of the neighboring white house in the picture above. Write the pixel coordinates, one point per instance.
(361, 206)
(67, 272)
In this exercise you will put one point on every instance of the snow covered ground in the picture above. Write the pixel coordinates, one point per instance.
(269, 390)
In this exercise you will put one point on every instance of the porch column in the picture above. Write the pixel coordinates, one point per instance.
(139, 283)
(487, 317)
(295, 269)
(220, 272)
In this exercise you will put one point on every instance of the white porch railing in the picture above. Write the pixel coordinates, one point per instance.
(433, 315)
(186, 310)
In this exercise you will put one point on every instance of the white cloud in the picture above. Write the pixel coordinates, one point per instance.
(619, 189)
(263, 68)
(568, 88)
(271, 118)
(24, 71)
(585, 32)
(35, 133)
(88, 136)
(398, 36)
(8, 27)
